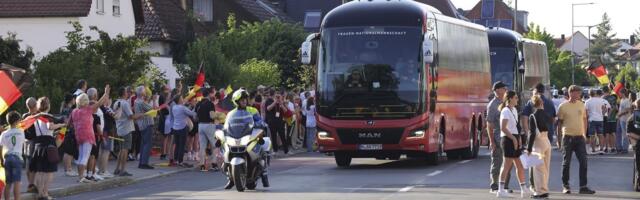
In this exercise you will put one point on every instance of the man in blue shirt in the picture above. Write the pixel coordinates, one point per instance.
(549, 108)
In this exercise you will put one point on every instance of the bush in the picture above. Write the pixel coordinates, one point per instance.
(114, 61)
(256, 72)
(222, 54)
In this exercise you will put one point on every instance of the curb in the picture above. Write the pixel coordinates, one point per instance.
(122, 181)
(102, 185)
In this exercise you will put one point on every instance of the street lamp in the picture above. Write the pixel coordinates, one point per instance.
(589, 35)
(573, 65)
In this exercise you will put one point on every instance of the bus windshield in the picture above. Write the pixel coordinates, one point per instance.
(503, 62)
(370, 72)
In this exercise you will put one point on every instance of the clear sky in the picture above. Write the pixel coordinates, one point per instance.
(555, 15)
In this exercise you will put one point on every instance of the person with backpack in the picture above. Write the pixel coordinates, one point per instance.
(634, 135)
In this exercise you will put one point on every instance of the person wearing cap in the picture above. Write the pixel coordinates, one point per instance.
(549, 109)
(572, 117)
(493, 128)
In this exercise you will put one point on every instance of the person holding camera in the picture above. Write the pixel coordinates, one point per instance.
(275, 110)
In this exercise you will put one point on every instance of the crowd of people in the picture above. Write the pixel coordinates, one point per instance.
(606, 122)
(90, 128)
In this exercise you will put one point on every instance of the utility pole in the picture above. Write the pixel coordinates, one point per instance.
(515, 16)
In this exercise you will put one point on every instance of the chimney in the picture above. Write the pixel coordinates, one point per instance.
(632, 40)
(562, 37)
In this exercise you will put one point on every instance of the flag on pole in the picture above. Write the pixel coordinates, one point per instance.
(599, 71)
(195, 90)
(13, 81)
(618, 87)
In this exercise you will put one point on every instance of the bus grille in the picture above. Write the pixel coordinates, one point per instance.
(370, 136)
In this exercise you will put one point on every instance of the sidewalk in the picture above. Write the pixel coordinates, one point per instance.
(64, 186)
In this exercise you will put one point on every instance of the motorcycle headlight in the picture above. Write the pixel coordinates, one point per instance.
(417, 133)
(231, 141)
(245, 140)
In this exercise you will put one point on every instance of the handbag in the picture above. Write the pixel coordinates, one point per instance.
(51, 150)
(52, 154)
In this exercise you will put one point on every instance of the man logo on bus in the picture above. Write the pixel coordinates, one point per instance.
(370, 135)
(370, 122)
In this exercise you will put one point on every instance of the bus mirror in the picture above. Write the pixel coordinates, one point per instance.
(305, 52)
(427, 50)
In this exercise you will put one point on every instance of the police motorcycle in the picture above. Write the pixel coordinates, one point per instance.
(245, 145)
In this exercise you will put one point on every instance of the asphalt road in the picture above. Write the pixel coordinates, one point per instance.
(315, 176)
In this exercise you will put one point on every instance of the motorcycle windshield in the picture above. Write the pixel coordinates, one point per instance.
(238, 124)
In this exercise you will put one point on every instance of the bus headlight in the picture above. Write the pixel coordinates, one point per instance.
(418, 133)
(324, 135)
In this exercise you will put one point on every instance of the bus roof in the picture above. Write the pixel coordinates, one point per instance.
(378, 13)
(501, 37)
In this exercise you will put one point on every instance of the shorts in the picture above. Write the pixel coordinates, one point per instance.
(610, 127)
(595, 127)
(12, 168)
(167, 126)
(95, 150)
(509, 148)
(128, 141)
(106, 144)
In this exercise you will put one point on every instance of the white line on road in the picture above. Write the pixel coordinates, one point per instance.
(406, 189)
(435, 173)
(464, 161)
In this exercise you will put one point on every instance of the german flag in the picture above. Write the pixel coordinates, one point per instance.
(598, 70)
(13, 81)
(195, 90)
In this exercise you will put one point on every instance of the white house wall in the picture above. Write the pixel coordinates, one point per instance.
(165, 64)
(46, 34)
(114, 25)
(42, 34)
(162, 48)
(581, 44)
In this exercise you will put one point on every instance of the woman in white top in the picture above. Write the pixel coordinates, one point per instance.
(310, 112)
(44, 138)
(511, 143)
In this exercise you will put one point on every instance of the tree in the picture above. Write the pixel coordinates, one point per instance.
(115, 61)
(559, 61)
(12, 54)
(271, 40)
(257, 72)
(630, 76)
(602, 48)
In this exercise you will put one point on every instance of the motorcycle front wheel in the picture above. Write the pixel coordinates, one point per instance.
(238, 177)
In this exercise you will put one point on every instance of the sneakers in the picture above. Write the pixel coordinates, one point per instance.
(125, 173)
(586, 190)
(189, 156)
(503, 194)
(87, 180)
(566, 190)
(493, 191)
(541, 196)
(185, 165)
(97, 177)
(106, 175)
(71, 173)
(32, 189)
(145, 166)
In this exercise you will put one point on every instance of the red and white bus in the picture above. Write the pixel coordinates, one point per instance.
(398, 78)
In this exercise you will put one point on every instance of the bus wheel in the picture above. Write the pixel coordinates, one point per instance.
(471, 151)
(342, 159)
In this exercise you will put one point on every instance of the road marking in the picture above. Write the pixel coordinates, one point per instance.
(435, 173)
(464, 161)
(406, 189)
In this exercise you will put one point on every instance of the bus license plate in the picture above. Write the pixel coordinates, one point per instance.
(370, 147)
